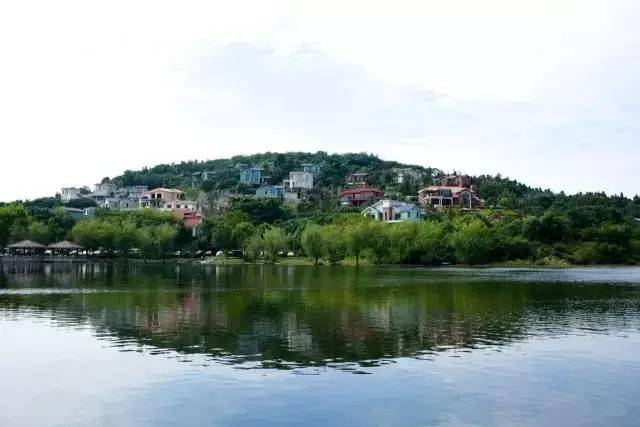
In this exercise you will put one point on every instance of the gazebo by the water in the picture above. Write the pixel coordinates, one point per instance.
(65, 247)
(26, 247)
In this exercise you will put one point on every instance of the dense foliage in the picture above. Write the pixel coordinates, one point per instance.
(224, 174)
(519, 223)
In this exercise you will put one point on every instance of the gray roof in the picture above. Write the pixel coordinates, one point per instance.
(398, 206)
(27, 244)
(65, 244)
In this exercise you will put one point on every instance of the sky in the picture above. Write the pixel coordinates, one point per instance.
(542, 91)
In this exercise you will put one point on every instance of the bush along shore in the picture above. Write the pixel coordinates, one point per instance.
(446, 237)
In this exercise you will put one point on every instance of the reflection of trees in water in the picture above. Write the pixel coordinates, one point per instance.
(310, 316)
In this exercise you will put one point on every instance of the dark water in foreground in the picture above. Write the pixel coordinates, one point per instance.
(259, 345)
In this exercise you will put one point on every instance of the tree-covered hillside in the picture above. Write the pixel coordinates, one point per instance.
(518, 223)
(225, 175)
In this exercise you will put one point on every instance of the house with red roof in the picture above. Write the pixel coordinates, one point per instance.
(359, 196)
(454, 190)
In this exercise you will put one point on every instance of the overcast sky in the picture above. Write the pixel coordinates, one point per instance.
(546, 92)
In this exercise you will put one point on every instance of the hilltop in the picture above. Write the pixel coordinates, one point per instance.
(222, 175)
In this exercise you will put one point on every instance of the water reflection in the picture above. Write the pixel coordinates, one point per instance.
(288, 317)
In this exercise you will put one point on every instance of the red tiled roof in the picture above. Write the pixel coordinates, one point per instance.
(359, 190)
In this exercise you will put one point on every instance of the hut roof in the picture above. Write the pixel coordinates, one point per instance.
(27, 244)
(65, 244)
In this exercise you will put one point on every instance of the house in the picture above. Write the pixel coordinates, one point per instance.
(75, 213)
(454, 190)
(190, 218)
(270, 191)
(70, 193)
(356, 179)
(392, 211)
(207, 175)
(359, 196)
(158, 197)
(188, 205)
(251, 175)
(121, 203)
(300, 180)
(407, 174)
(136, 191)
(102, 191)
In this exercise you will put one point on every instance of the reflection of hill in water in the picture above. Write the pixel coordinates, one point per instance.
(306, 316)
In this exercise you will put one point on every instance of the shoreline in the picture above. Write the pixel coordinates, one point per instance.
(296, 261)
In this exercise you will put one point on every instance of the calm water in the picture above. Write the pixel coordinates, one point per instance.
(170, 345)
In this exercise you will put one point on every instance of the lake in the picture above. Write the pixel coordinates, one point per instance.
(128, 345)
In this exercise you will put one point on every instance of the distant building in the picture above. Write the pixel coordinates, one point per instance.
(121, 203)
(70, 193)
(356, 179)
(158, 197)
(300, 181)
(74, 213)
(392, 211)
(251, 176)
(359, 196)
(270, 191)
(404, 174)
(190, 218)
(188, 205)
(454, 190)
(104, 189)
(136, 191)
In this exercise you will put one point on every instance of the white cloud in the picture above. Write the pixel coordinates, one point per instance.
(535, 90)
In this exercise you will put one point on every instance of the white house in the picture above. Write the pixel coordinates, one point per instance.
(300, 180)
(70, 193)
(392, 211)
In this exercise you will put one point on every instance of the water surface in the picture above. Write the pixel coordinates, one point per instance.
(105, 344)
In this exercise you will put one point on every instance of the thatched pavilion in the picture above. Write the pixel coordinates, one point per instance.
(65, 247)
(26, 247)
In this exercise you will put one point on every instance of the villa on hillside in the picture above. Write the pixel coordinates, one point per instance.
(300, 180)
(359, 196)
(454, 190)
(102, 191)
(270, 191)
(251, 175)
(70, 193)
(358, 179)
(159, 197)
(392, 211)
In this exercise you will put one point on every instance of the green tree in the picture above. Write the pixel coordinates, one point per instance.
(358, 237)
(312, 241)
(12, 217)
(472, 242)
(380, 242)
(39, 232)
(164, 238)
(242, 232)
(274, 242)
(334, 243)
(126, 237)
(433, 242)
(253, 247)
